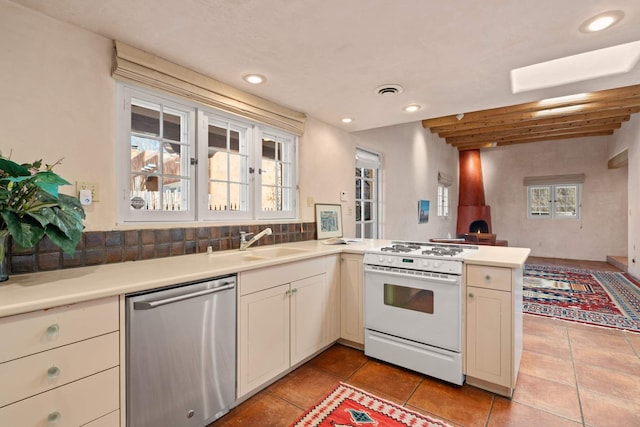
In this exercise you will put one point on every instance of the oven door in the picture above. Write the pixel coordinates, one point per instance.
(418, 306)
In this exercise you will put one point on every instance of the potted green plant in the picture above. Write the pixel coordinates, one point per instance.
(32, 207)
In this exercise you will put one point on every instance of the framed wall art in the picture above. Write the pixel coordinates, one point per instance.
(328, 221)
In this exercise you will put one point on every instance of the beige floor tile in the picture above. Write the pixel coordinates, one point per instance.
(340, 361)
(507, 413)
(466, 405)
(609, 382)
(606, 411)
(305, 386)
(264, 409)
(550, 396)
(379, 377)
(547, 367)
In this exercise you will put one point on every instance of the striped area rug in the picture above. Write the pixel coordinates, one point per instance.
(601, 298)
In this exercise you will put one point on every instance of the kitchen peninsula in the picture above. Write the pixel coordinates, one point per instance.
(80, 312)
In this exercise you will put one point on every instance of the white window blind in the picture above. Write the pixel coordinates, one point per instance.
(135, 65)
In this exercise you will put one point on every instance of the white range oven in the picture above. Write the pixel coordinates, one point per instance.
(413, 307)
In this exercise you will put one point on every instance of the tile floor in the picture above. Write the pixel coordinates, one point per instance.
(570, 375)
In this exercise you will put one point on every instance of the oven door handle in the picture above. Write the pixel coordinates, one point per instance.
(452, 280)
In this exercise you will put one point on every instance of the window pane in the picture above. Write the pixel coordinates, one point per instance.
(540, 202)
(144, 155)
(566, 201)
(271, 199)
(269, 149)
(172, 126)
(237, 165)
(145, 119)
(218, 169)
(217, 139)
(366, 190)
(234, 141)
(358, 211)
(368, 230)
(368, 173)
(268, 172)
(172, 159)
(174, 191)
(367, 211)
(218, 196)
(358, 172)
(358, 189)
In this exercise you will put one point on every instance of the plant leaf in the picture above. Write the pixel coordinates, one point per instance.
(26, 231)
(12, 168)
(66, 242)
(49, 182)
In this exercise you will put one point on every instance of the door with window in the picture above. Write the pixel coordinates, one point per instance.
(367, 194)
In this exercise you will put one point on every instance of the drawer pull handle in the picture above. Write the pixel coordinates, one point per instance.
(54, 418)
(52, 331)
(53, 372)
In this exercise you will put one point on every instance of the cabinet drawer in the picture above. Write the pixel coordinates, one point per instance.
(46, 329)
(109, 420)
(498, 278)
(265, 278)
(71, 405)
(44, 371)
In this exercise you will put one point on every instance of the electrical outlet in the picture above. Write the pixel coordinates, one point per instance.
(310, 202)
(91, 186)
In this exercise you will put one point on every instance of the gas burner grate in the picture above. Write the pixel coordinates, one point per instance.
(401, 248)
(442, 251)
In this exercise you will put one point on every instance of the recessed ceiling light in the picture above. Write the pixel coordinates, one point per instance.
(601, 21)
(346, 120)
(254, 79)
(412, 108)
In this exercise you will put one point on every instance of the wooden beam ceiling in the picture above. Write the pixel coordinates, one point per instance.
(591, 114)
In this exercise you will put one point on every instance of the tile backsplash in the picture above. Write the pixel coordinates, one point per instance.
(107, 247)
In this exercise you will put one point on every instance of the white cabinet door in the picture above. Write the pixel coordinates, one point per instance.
(351, 320)
(263, 350)
(308, 302)
(332, 309)
(489, 335)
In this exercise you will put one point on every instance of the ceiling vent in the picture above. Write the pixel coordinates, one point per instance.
(388, 90)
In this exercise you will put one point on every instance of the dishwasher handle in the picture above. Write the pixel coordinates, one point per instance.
(148, 305)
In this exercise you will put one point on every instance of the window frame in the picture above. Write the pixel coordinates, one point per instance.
(443, 201)
(553, 203)
(198, 121)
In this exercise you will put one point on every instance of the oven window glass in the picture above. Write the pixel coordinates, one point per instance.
(408, 298)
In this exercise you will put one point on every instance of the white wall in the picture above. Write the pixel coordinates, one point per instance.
(411, 160)
(327, 166)
(629, 136)
(57, 101)
(601, 231)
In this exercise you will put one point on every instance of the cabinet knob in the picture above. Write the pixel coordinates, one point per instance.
(294, 290)
(54, 418)
(52, 331)
(53, 372)
(487, 277)
(471, 295)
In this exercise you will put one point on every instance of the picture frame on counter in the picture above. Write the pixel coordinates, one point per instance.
(328, 220)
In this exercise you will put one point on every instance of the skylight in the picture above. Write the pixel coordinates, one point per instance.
(584, 66)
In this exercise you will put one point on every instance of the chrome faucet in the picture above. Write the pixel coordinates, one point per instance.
(244, 244)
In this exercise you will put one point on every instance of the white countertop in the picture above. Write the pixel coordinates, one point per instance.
(29, 292)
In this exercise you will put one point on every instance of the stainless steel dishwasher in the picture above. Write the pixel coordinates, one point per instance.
(181, 354)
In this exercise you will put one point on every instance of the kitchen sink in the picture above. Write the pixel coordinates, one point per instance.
(277, 252)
